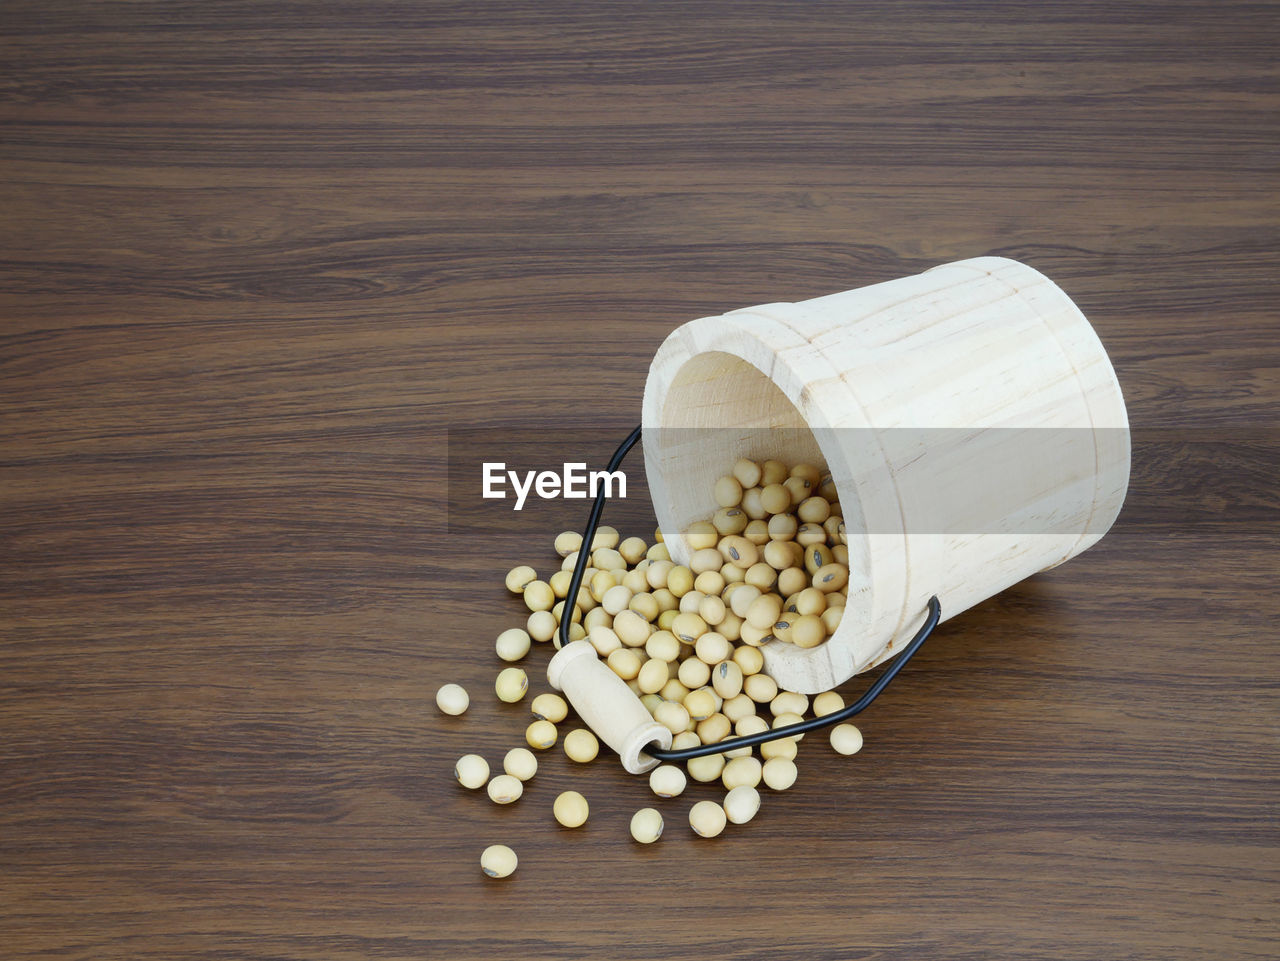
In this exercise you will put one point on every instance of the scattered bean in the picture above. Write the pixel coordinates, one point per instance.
(452, 699)
(549, 707)
(571, 809)
(581, 745)
(518, 578)
(512, 644)
(541, 735)
(520, 763)
(846, 739)
(707, 818)
(511, 684)
(646, 825)
(498, 861)
(779, 773)
(471, 770)
(741, 803)
(505, 789)
(667, 781)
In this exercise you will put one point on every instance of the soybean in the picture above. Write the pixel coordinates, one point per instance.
(667, 781)
(741, 770)
(471, 770)
(581, 745)
(520, 763)
(498, 861)
(512, 644)
(846, 739)
(511, 684)
(452, 699)
(779, 773)
(541, 735)
(741, 803)
(518, 578)
(646, 825)
(549, 707)
(538, 596)
(505, 789)
(571, 809)
(707, 818)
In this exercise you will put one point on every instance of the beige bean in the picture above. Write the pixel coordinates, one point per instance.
(505, 789)
(538, 596)
(646, 825)
(452, 699)
(846, 739)
(741, 770)
(747, 472)
(512, 644)
(726, 678)
(520, 763)
(604, 640)
(654, 673)
(737, 707)
(701, 703)
(741, 804)
(672, 716)
(779, 773)
(713, 729)
(498, 861)
(808, 631)
(730, 520)
(827, 703)
(707, 818)
(632, 629)
(775, 498)
(813, 510)
(701, 534)
(571, 809)
(471, 770)
(549, 707)
(624, 662)
(667, 781)
(712, 610)
(773, 472)
(680, 580)
(727, 491)
(831, 577)
(749, 659)
(689, 627)
(633, 549)
(694, 673)
(712, 648)
(752, 505)
(761, 688)
(518, 578)
(540, 735)
(581, 745)
(606, 537)
(705, 769)
(739, 551)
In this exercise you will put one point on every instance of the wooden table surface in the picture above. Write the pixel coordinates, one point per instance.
(260, 264)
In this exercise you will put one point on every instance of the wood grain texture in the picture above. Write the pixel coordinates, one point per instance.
(258, 262)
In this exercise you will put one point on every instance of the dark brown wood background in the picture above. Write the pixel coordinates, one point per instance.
(260, 261)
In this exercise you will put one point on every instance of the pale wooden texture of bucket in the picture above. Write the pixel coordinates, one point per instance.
(993, 440)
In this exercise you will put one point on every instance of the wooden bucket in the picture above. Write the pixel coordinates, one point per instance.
(969, 416)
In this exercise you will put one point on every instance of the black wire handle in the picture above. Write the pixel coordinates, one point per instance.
(932, 617)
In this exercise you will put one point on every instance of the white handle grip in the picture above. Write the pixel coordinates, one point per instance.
(609, 707)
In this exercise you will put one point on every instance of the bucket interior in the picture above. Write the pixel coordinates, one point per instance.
(719, 408)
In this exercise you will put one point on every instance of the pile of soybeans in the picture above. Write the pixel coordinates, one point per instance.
(771, 564)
